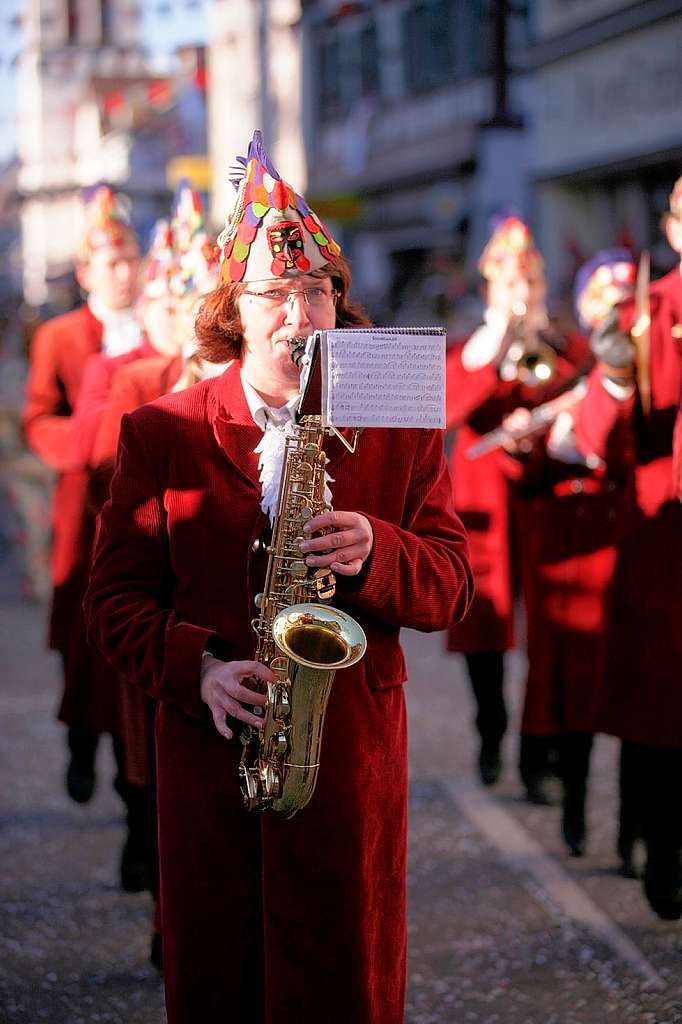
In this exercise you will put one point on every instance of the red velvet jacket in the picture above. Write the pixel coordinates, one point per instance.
(642, 690)
(566, 518)
(477, 401)
(93, 397)
(59, 353)
(175, 567)
(171, 496)
(131, 387)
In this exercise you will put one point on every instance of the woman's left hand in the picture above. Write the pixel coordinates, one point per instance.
(346, 548)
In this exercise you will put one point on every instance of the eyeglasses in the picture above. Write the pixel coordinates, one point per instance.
(275, 297)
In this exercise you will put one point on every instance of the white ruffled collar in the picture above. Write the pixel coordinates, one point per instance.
(277, 425)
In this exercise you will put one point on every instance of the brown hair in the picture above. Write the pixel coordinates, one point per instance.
(218, 328)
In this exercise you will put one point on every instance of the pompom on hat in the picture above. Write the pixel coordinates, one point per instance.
(600, 284)
(160, 263)
(271, 231)
(196, 265)
(511, 240)
(107, 220)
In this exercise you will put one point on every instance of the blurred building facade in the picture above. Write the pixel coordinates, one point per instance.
(255, 60)
(91, 109)
(407, 123)
(606, 144)
(407, 131)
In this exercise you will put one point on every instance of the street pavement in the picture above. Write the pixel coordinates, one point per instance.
(504, 927)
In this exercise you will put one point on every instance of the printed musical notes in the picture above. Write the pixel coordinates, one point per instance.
(383, 377)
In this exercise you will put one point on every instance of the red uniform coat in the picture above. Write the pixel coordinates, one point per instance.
(677, 452)
(176, 566)
(642, 695)
(93, 396)
(131, 386)
(60, 350)
(477, 401)
(566, 517)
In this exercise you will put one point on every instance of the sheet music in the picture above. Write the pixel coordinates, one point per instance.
(383, 377)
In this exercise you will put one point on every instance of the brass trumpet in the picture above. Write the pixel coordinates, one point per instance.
(528, 358)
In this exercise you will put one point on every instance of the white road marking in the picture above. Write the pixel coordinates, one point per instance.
(518, 849)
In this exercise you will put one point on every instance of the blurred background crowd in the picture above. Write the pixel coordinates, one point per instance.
(407, 124)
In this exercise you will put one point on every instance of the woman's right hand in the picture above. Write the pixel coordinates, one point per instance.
(225, 688)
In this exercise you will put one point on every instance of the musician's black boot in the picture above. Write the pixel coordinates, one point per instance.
(486, 672)
(80, 772)
(661, 771)
(629, 810)
(535, 769)
(156, 952)
(138, 864)
(134, 866)
(663, 880)
(489, 762)
(574, 761)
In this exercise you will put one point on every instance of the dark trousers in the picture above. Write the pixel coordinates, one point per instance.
(486, 674)
(537, 758)
(651, 804)
(574, 749)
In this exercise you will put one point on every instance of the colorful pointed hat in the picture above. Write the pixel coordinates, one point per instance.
(107, 220)
(197, 267)
(511, 239)
(271, 231)
(601, 283)
(160, 265)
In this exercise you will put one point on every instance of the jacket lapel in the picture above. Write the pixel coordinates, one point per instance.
(233, 425)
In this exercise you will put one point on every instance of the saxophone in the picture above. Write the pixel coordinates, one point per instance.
(302, 641)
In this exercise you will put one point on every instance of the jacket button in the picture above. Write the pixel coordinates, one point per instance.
(258, 546)
(576, 486)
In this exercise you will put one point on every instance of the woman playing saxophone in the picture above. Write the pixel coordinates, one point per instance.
(266, 917)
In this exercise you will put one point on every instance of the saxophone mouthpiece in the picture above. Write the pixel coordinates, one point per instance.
(297, 347)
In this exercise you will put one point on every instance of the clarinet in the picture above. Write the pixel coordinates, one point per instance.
(540, 418)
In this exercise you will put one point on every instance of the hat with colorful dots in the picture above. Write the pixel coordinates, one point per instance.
(511, 240)
(160, 265)
(601, 283)
(107, 221)
(196, 267)
(271, 231)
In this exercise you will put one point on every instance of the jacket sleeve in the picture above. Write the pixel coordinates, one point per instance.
(122, 398)
(47, 413)
(604, 426)
(418, 574)
(128, 605)
(466, 390)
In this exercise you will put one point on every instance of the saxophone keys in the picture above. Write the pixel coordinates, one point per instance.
(282, 706)
(298, 568)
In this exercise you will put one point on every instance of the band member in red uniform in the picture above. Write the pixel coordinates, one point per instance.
(567, 517)
(155, 313)
(174, 364)
(268, 918)
(627, 418)
(181, 270)
(107, 270)
(485, 382)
